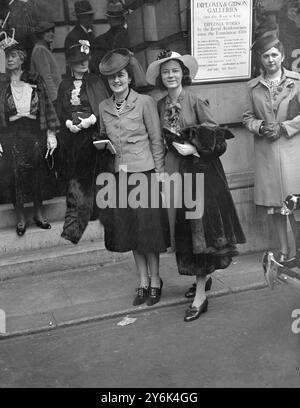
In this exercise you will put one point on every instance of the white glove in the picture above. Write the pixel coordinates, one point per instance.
(71, 127)
(1, 150)
(51, 141)
(161, 177)
(87, 122)
(185, 149)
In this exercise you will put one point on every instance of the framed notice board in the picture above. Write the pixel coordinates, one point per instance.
(221, 38)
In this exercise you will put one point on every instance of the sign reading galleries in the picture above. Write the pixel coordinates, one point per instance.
(221, 39)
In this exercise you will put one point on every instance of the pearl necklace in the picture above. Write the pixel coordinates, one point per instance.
(120, 104)
(17, 91)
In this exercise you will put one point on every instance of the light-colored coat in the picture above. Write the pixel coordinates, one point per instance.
(44, 63)
(135, 133)
(277, 163)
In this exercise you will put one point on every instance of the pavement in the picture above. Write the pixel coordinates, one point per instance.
(245, 340)
(49, 301)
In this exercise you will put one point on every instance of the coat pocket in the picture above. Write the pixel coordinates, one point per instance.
(132, 123)
(135, 144)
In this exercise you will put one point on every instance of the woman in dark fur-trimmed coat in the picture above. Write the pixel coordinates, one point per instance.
(28, 124)
(77, 107)
(195, 143)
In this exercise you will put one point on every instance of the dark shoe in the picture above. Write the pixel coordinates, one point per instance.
(21, 228)
(285, 260)
(154, 294)
(193, 313)
(190, 293)
(141, 297)
(42, 224)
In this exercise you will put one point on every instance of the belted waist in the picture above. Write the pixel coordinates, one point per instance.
(17, 117)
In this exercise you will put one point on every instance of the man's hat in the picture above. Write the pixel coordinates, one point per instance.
(44, 26)
(78, 52)
(83, 7)
(116, 9)
(265, 42)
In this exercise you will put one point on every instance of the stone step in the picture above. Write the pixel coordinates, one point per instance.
(36, 238)
(54, 210)
(66, 257)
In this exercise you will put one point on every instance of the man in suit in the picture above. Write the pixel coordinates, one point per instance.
(83, 29)
(117, 35)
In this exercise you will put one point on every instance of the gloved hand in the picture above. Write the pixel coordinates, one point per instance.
(87, 122)
(161, 177)
(71, 127)
(1, 150)
(185, 149)
(273, 131)
(51, 142)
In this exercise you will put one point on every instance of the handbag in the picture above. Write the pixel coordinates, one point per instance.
(76, 115)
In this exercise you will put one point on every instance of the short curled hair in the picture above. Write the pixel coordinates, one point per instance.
(186, 78)
(22, 53)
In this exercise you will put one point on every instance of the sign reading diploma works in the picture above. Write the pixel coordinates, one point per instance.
(221, 39)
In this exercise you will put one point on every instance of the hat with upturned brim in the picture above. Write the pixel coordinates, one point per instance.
(114, 61)
(265, 42)
(116, 9)
(78, 52)
(44, 26)
(83, 7)
(153, 70)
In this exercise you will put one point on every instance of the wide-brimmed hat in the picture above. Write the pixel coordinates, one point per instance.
(83, 7)
(44, 26)
(265, 42)
(116, 9)
(78, 52)
(153, 70)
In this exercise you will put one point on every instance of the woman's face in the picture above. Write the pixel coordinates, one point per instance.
(48, 36)
(80, 67)
(171, 74)
(14, 61)
(119, 82)
(271, 60)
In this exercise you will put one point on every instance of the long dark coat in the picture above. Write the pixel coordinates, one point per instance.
(81, 160)
(24, 174)
(208, 243)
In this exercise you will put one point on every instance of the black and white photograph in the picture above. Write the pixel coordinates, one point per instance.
(149, 197)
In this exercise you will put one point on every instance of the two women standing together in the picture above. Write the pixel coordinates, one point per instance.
(194, 143)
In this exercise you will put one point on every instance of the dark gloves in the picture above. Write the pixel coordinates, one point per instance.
(272, 131)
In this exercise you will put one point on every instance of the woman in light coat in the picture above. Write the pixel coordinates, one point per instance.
(272, 115)
(42, 60)
(130, 121)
